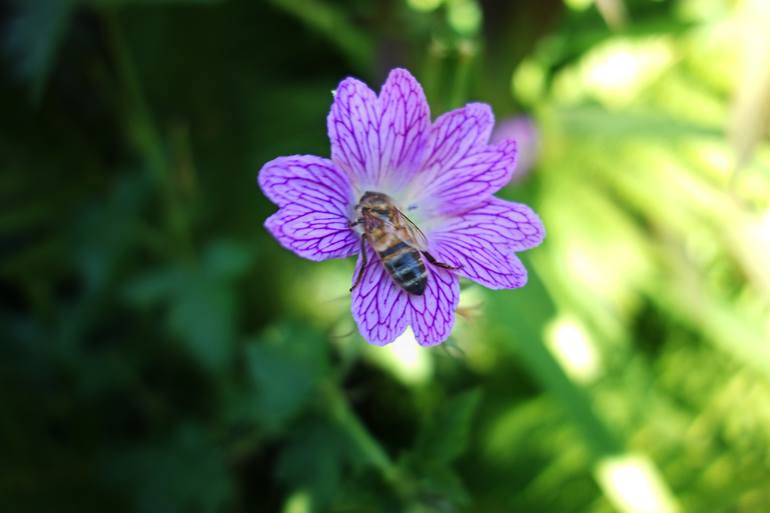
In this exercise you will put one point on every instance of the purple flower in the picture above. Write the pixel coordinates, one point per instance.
(523, 130)
(442, 175)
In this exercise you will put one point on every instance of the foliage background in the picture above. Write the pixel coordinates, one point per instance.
(159, 352)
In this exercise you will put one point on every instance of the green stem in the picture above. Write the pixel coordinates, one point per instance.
(344, 415)
(434, 63)
(145, 135)
(142, 128)
(466, 53)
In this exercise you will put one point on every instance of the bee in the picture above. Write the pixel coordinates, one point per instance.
(398, 242)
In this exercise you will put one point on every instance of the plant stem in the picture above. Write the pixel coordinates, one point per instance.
(374, 453)
(145, 135)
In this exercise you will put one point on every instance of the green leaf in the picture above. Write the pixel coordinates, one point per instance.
(35, 35)
(334, 23)
(227, 259)
(444, 436)
(203, 317)
(185, 472)
(109, 3)
(313, 461)
(595, 121)
(529, 311)
(200, 300)
(440, 488)
(154, 286)
(285, 367)
(107, 230)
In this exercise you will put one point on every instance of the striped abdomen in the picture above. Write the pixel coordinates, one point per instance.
(405, 265)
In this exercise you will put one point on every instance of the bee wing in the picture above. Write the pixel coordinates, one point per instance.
(414, 236)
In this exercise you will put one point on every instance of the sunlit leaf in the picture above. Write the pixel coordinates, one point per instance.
(750, 115)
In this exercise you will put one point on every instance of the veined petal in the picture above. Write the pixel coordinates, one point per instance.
(379, 305)
(312, 234)
(379, 141)
(383, 310)
(315, 198)
(515, 222)
(432, 315)
(404, 126)
(353, 125)
(475, 176)
(483, 241)
(307, 180)
(461, 168)
(479, 262)
(457, 134)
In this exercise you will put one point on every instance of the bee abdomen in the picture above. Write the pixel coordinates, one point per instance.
(406, 268)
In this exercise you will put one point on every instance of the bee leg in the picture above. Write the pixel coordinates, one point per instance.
(355, 223)
(363, 265)
(442, 265)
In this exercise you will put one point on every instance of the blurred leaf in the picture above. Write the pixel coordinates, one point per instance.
(750, 114)
(34, 37)
(185, 472)
(444, 436)
(203, 316)
(227, 259)
(200, 301)
(614, 13)
(334, 23)
(598, 122)
(108, 228)
(107, 3)
(285, 367)
(313, 460)
(441, 488)
(103, 238)
(523, 316)
(581, 32)
(154, 286)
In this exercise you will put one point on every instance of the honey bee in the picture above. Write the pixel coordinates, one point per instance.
(398, 242)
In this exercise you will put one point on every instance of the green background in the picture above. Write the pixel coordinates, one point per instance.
(160, 352)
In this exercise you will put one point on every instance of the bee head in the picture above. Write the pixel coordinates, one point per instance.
(373, 200)
(374, 203)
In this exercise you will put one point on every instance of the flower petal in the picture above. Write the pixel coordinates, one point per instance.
(404, 127)
(353, 124)
(383, 310)
(379, 141)
(315, 198)
(307, 180)
(312, 234)
(457, 134)
(462, 168)
(483, 241)
(432, 315)
(379, 305)
(479, 262)
(516, 223)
